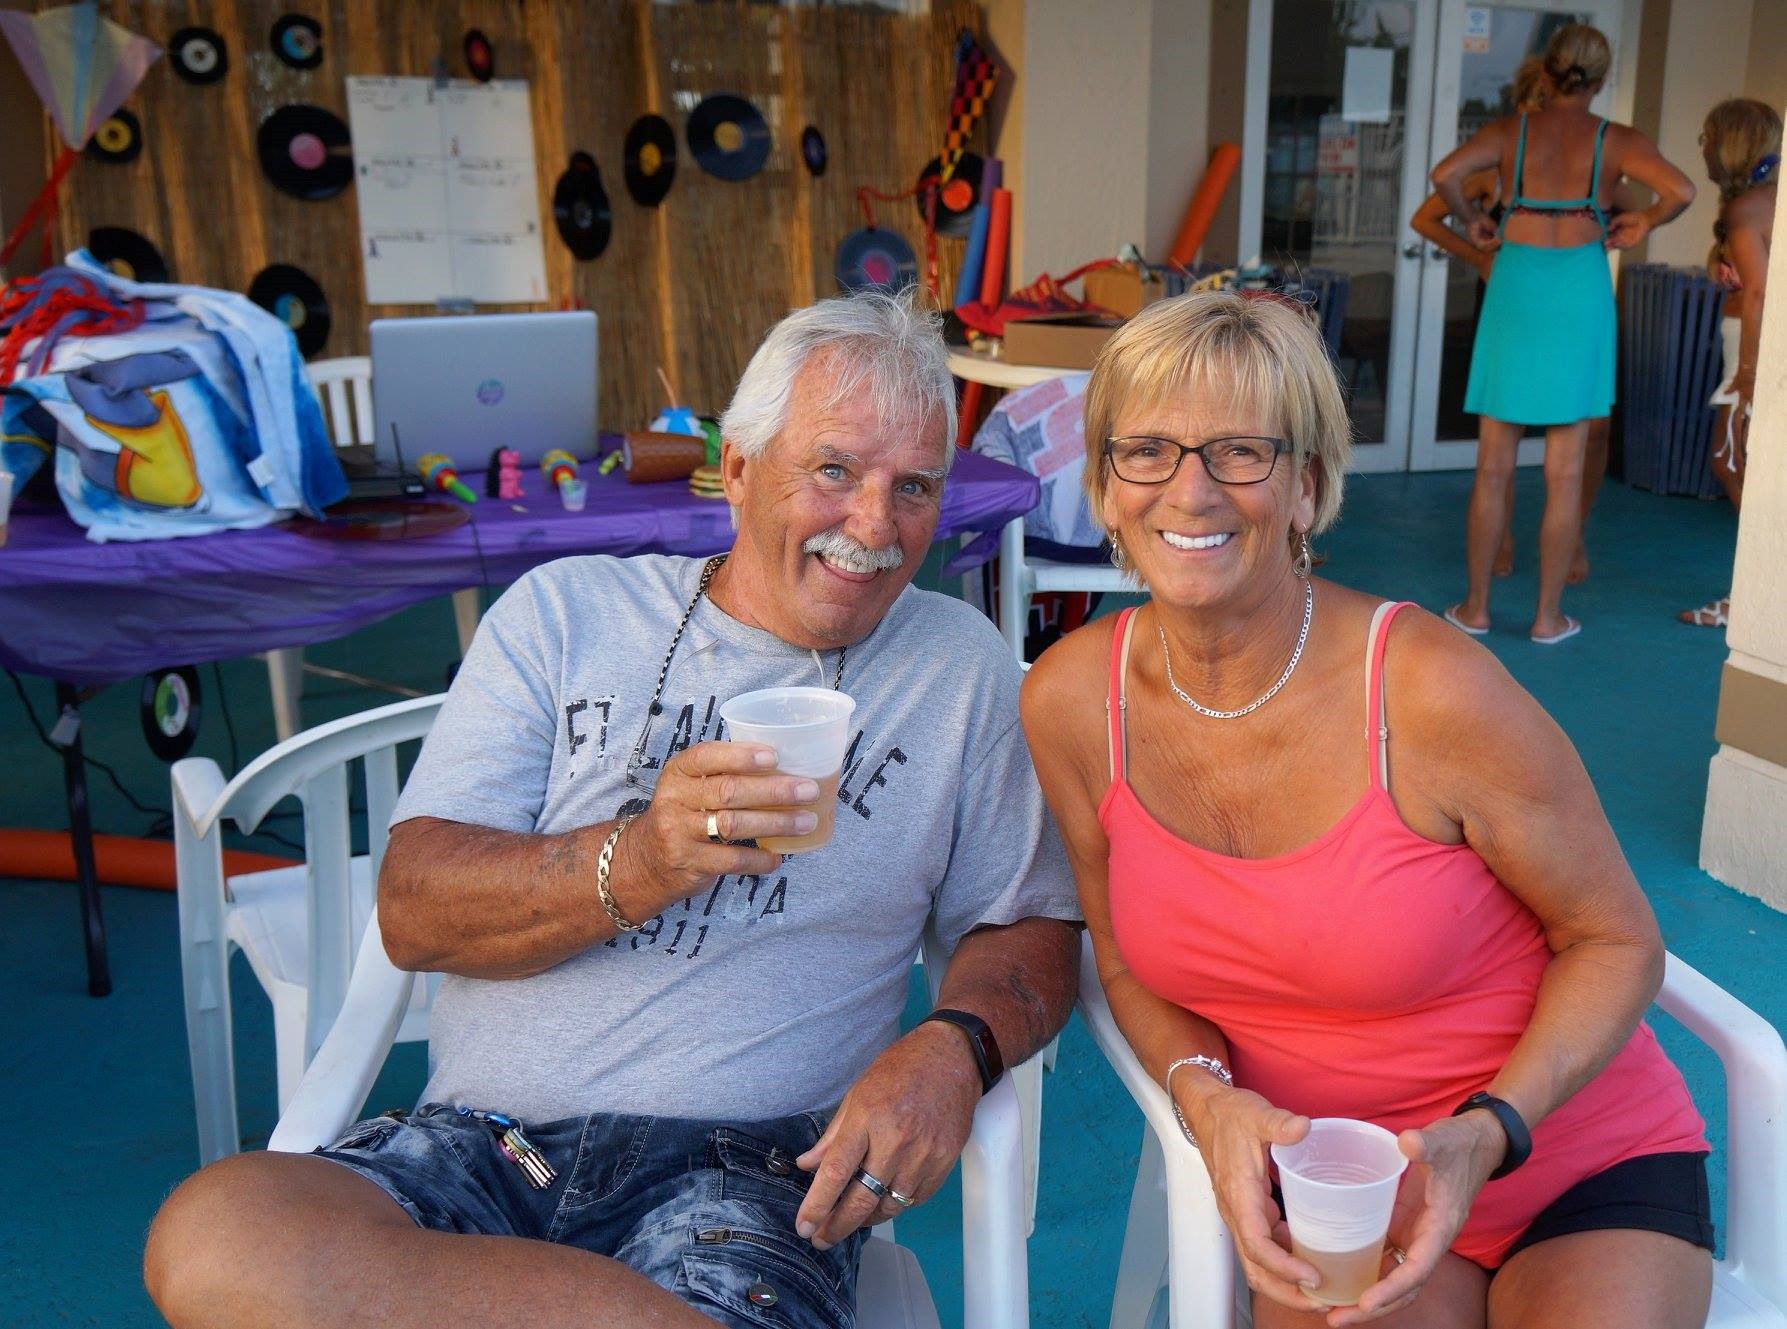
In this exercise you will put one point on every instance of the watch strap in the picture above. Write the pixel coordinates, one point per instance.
(987, 1057)
(1520, 1139)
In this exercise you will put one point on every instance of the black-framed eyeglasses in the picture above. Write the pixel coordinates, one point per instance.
(1241, 459)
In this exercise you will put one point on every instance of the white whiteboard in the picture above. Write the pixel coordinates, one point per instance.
(448, 191)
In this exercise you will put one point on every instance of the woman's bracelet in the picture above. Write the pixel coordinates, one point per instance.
(604, 862)
(1211, 1064)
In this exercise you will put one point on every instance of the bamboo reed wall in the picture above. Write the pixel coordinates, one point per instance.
(691, 285)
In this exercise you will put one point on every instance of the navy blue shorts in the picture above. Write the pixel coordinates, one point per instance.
(704, 1209)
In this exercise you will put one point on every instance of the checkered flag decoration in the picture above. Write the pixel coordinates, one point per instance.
(976, 76)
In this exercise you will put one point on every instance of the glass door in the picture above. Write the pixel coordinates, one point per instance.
(1480, 45)
(1345, 164)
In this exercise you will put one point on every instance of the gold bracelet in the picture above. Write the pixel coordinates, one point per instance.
(605, 861)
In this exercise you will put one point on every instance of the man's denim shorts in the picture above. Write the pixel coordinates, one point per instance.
(704, 1209)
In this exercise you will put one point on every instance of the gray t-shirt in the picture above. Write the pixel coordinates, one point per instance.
(756, 997)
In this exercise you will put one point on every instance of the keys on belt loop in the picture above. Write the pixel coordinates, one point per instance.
(515, 1146)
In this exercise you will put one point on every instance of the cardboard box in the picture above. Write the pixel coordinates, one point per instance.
(1123, 290)
(1058, 341)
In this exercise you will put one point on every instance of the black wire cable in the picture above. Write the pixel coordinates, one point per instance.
(229, 725)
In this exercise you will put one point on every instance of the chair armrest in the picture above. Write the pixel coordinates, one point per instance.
(995, 1259)
(1755, 1062)
(340, 1076)
(198, 784)
(1201, 1255)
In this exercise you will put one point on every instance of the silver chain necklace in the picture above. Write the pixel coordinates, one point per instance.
(1262, 699)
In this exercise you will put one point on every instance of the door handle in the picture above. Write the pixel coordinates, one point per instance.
(1412, 249)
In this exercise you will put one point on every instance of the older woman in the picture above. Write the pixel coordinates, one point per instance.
(1450, 945)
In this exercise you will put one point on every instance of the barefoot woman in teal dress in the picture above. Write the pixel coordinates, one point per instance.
(1545, 341)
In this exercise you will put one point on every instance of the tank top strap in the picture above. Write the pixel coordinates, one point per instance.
(1377, 732)
(1594, 178)
(1116, 703)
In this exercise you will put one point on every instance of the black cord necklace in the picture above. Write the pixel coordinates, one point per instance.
(636, 762)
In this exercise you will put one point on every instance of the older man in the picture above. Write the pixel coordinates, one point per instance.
(668, 1083)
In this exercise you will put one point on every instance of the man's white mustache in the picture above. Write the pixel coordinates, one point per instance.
(852, 555)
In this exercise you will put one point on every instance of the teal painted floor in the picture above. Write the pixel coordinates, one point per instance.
(99, 1090)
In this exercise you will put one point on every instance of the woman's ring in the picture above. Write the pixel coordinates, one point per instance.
(1399, 1255)
(713, 829)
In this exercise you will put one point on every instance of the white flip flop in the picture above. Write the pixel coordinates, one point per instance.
(1451, 616)
(1569, 632)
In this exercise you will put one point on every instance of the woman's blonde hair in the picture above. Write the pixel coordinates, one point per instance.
(1577, 57)
(1249, 352)
(1528, 90)
(1740, 133)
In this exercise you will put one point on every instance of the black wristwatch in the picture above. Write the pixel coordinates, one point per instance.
(987, 1057)
(1520, 1139)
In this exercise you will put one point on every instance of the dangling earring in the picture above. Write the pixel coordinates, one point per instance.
(1301, 564)
(1116, 555)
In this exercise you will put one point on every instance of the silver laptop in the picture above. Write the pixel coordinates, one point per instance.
(470, 384)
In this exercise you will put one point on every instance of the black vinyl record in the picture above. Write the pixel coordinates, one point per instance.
(480, 56)
(812, 150)
(650, 163)
(728, 137)
(118, 139)
(126, 254)
(306, 152)
(580, 207)
(168, 708)
(198, 55)
(292, 296)
(876, 257)
(956, 198)
(297, 39)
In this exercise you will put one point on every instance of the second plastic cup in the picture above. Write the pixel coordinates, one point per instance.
(573, 493)
(1339, 1186)
(809, 728)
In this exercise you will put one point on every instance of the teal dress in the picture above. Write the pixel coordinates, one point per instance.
(1545, 337)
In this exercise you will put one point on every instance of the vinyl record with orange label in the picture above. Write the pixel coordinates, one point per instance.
(956, 196)
(126, 254)
(650, 161)
(728, 137)
(480, 56)
(118, 139)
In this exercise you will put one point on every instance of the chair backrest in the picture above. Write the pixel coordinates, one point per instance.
(345, 386)
(313, 766)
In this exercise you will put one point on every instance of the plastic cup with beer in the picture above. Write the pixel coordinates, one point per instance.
(809, 728)
(1339, 1185)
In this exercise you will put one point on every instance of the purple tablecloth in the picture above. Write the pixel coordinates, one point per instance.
(98, 613)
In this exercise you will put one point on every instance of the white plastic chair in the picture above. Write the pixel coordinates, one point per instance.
(891, 1289)
(298, 926)
(1175, 1237)
(1021, 577)
(344, 390)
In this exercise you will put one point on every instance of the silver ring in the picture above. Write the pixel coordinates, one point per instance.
(713, 829)
(871, 1183)
(1399, 1255)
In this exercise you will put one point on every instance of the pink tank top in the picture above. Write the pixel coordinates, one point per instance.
(1372, 974)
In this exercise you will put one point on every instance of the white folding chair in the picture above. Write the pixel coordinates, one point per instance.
(891, 1290)
(298, 926)
(1175, 1237)
(1021, 577)
(344, 391)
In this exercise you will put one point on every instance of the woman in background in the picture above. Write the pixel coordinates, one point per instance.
(1527, 93)
(1545, 342)
(1742, 144)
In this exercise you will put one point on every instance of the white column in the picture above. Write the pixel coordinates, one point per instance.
(1743, 841)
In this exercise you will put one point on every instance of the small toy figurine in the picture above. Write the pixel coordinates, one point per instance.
(439, 473)
(508, 473)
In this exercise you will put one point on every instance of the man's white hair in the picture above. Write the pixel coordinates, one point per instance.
(881, 344)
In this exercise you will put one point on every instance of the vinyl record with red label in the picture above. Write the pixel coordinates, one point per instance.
(118, 139)
(728, 137)
(292, 296)
(649, 165)
(480, 56)
(198, 55)
(297, 39)
(306, 152)
(126, 254)
(876, 257)
(812, 150)
(580, 207)
(956, 196)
